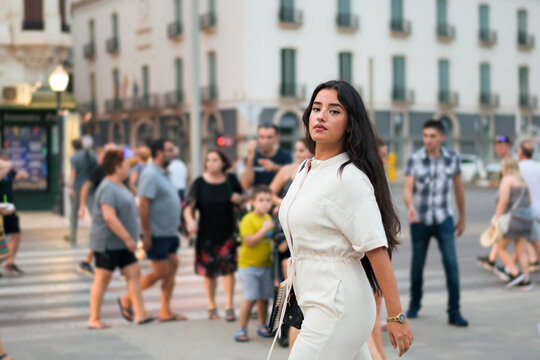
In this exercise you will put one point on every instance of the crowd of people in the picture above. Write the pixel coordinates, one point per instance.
(321, 220)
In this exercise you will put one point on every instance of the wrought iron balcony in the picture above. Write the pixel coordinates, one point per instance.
(65, 27)
(87, 107)
(209, 93)
(292, 91)
(89, 50)
(33, 25)
(525, 41)
(402, 95)
(448, 98)
(143, 102)
(208, 21)
(347, 21)
(489, 100)
(446, 32)
(528, 102)
(113, 105)
(174, 29)
(113, 45)
(487, 37)
(400, 27)
(290, 16)
(173, 98)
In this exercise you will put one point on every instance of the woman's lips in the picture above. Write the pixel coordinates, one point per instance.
(319, 128)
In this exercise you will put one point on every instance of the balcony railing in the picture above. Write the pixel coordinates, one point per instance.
(174, 30)
(113, 45)
(400, 27)
(293, 91)
(448, 98)
(347, 21)
(33, 25)
(208, 21)
(113, 105)
(528, 102)
(143, 102)
(65, 28)
(89, 50)
(174, 98)
(402, 95)
(489, 100)
(87, 107)
(487, 37)
(209, 93)
(525, 41)
(290, 16)
(446, 32)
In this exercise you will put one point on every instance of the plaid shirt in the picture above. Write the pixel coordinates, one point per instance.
(433, 184)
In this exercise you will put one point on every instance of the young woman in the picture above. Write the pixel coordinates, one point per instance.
(112, 238)
(214, 195)
(341, 227)
(513, 189)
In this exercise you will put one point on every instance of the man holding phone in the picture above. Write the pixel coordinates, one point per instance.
(264, 157)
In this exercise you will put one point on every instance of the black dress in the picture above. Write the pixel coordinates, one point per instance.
(215, 245)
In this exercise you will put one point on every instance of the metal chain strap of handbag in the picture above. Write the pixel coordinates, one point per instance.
(293, 314)
(504, 219)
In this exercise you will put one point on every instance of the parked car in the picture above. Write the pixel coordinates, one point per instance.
(472, 168)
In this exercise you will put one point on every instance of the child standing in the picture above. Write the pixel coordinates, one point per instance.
(254, 262)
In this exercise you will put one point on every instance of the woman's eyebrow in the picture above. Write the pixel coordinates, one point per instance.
(319, 103)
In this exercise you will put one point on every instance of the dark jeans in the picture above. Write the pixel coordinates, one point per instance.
(444, 233)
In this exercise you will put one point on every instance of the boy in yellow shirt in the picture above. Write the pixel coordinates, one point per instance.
(255, 263)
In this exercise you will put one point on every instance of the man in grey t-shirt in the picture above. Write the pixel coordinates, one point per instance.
(159, 210)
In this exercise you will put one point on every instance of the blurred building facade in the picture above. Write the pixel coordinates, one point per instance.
(473, 64)
(34, 38)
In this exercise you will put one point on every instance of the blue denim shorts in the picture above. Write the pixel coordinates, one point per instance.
(256, 282)
(162, 246)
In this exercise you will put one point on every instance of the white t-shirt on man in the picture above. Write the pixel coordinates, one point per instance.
(530, 170)
(178, 174)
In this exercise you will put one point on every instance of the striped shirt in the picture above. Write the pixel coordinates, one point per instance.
(433, 180)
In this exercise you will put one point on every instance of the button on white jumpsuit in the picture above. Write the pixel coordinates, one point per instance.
(330, 221)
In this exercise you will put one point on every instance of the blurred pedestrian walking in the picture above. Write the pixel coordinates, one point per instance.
(530, 171)
(112, 238)
(143, 157)
(430, 175)
(255, 263)
(87, 201)
(214, 195)
(513, 200)
(8, 176)
(159, 211)
(82, 162)
(264, 157)
(178, 173)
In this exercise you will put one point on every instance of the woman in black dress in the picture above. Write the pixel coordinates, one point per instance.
(214, 195)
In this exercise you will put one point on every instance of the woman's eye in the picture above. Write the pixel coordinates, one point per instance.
(315, 109)
(335, 112)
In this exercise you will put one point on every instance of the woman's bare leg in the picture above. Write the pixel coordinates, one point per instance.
(102, 278)
(132, 273)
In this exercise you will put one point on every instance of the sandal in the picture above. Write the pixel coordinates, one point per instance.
(241, 335)
(146, 321)
(213, 314)
(101, 326)
(175, 317)
(5, 355)
(229, 315)
(263, 331)
(126, 313)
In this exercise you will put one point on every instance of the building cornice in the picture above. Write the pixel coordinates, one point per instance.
(83, 3)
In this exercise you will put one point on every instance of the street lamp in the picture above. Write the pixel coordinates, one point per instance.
(58, 81)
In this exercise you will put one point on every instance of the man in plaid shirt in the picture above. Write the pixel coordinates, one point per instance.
(431, 174)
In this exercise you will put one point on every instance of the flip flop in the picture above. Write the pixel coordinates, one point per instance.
(146, 321)
(175, 317)
(229, 315)
(213, 314)
(99, 327)
(126, 313)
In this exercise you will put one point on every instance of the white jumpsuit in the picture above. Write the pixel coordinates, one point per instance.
(330, 221)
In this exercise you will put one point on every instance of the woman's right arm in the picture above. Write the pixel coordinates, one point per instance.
(109, 215)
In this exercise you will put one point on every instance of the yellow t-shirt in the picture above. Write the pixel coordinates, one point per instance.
(258, 255)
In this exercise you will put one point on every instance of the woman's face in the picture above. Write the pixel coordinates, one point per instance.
(301, 151)
(213, 163)
(328, 119)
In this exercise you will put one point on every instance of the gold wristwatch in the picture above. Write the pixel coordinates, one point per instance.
(399, 318)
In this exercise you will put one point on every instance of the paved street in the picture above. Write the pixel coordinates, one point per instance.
(43, 314)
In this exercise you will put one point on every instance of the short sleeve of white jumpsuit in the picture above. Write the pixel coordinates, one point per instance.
(330, 221)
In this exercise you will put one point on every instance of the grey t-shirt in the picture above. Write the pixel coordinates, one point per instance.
(165, 206)
(122, 200)
(83, 161)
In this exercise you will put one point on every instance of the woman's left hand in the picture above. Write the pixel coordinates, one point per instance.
(236, 198)
(400, 335)
(494, 221)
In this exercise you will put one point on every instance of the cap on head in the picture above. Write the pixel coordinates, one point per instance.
(503, 139)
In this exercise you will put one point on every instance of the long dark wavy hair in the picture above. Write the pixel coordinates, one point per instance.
(361, 146)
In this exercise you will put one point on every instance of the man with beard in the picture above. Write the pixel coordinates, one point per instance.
(159, 212)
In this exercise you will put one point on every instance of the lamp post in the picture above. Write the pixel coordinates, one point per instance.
(58, 81)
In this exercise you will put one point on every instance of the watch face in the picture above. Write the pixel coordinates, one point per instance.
(401, 317)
